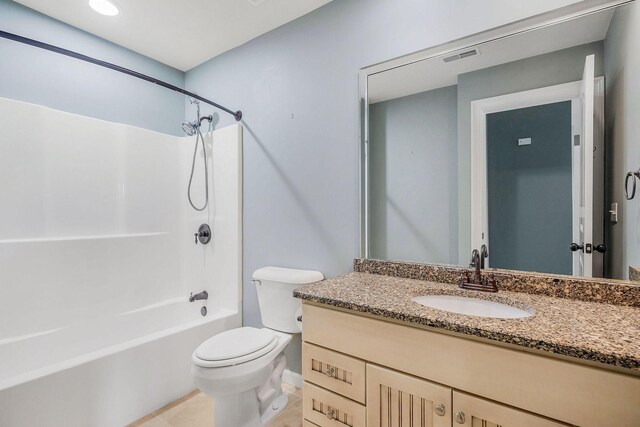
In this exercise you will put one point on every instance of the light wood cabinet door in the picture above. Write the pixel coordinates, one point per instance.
(471, 411)
(400, 400)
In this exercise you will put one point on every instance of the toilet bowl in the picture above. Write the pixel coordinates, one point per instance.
(242, 368)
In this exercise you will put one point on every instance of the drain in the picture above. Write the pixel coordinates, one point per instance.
(203, 311)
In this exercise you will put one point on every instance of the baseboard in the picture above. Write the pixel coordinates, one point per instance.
(292, 378)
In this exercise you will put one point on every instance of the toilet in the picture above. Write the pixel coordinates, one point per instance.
(242, 368)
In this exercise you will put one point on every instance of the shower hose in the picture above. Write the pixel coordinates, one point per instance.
(199, 137)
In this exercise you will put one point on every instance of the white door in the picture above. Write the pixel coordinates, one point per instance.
(583, 248)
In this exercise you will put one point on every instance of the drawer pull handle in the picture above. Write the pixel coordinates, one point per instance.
(440, 410)
(460, 418)
(330, 371)
(330, 413)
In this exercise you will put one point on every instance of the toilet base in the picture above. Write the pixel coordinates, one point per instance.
(276, 407)
(239, 409)
(242, 410)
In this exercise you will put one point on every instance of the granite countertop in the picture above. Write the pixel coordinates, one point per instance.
(596, 332)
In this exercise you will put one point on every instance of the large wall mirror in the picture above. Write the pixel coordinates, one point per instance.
(516, 142)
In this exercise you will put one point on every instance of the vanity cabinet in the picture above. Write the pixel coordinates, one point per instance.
(378, 373)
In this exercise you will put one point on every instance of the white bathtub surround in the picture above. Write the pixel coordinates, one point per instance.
(97, 259)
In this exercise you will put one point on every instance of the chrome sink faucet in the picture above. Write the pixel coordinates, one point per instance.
(201, 295)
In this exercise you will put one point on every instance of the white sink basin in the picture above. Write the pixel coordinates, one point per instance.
(472, 306)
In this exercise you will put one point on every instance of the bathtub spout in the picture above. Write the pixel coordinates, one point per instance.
(202, 295)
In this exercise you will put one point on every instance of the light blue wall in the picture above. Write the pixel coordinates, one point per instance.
(529, 188)
(413, 146)
(33, 75)
(622, 77)
(298, 88)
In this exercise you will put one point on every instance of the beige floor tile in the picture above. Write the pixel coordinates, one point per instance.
(155, 422)
(196, 410)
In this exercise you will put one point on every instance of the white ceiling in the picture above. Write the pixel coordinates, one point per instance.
(182, 34)
(435, 73)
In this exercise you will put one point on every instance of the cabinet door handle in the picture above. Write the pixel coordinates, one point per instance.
(330, 413)
(330, 371)
(440, 410)
(460, 418)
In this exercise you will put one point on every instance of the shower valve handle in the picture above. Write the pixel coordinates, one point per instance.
(203, 235)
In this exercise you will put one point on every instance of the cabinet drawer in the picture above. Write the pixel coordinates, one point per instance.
(307, 423)
(328, 409)
(335, 371)
(472, 411)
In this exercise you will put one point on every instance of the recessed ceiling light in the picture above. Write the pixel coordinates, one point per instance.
(104, 7)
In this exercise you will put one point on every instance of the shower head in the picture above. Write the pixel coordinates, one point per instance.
(190, 128)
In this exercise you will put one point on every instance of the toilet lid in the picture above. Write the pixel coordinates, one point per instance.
(235, 344)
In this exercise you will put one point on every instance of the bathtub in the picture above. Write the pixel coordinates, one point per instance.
(97, 260)
(109, 371)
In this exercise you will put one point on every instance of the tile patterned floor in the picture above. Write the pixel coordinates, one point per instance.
(196, 410)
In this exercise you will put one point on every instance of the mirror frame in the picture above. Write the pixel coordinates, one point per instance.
(537, 22)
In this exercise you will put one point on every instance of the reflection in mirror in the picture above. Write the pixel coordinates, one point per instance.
(508, 145)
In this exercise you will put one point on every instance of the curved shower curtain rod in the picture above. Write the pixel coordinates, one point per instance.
(72, 54)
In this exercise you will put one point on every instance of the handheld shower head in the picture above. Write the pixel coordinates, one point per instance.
(189, 128)
(193, 128)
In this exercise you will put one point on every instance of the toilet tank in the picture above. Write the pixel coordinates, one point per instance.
(275, 287)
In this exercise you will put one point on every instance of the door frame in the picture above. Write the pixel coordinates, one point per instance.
(512, 101)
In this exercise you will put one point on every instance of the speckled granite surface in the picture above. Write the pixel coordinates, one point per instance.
(616, 292)
(597, 332)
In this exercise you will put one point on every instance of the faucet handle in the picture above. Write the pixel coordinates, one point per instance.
(475, 258)
(492, 283)
(484, 252)
(464, 278)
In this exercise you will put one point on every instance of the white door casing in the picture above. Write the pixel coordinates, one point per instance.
(587, 96)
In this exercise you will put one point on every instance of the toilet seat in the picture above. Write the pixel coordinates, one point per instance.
(234, 347)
